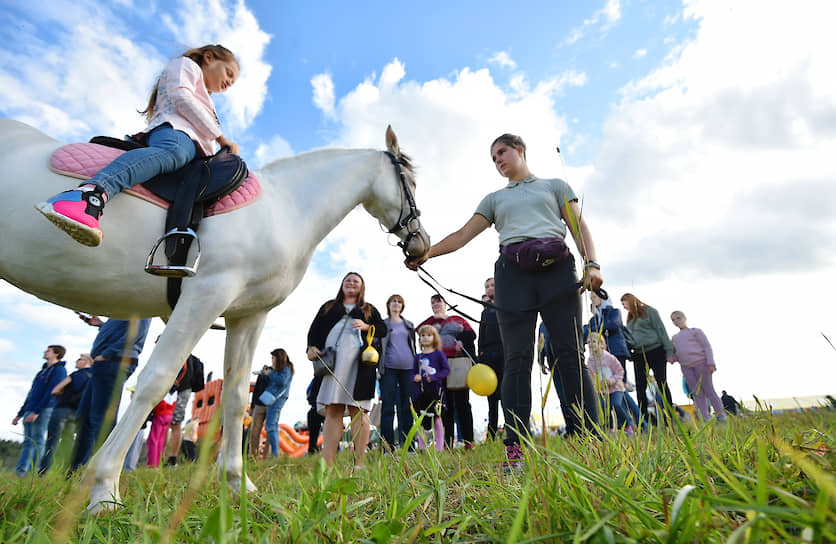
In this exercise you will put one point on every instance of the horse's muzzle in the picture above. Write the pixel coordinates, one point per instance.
(419, 244)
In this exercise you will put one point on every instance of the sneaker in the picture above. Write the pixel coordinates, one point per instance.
(516, 459)
(171, 461)
(628, 430)
(77, 213)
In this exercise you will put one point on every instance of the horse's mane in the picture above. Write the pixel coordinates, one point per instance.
(406, 160)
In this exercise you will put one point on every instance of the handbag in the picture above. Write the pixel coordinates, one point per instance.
(536, 254)
(459, 367)
(267, 398)
(325, 363)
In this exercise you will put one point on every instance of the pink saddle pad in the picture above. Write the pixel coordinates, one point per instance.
(84, 160)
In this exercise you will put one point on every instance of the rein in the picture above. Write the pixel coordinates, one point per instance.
(410, 220)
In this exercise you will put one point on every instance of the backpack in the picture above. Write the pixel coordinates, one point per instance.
(198, 379)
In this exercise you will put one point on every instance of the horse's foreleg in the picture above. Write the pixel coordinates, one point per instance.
(242, 334)
(187, 324)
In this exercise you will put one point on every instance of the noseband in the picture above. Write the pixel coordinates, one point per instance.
(405, 220)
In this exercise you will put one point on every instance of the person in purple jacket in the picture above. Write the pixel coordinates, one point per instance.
(37, 409)
(430, 368)
(693, 351)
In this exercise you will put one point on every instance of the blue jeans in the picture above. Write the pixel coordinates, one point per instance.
(100, 401)
(619, 405)
(55, 428)
(34, 437)
(168, 150)
(635, 413)
(271, 423)
(395, 392)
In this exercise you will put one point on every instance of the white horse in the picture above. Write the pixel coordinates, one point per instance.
(252, 259)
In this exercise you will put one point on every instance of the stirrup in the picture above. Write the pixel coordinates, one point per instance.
(172, 270)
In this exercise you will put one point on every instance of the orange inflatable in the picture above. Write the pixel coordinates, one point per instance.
(291, 449)
(205, 403)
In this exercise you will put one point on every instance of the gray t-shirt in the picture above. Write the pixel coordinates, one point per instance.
(527, 209)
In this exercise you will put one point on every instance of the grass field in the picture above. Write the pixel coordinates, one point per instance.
(759, 479)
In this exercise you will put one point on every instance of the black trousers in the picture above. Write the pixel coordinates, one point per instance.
(457, 403)
(494, 359)
(315, 422)
(550, 291)
(654, 360)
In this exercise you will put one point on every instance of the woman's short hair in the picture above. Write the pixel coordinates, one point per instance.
(389, 301)
(511, 140)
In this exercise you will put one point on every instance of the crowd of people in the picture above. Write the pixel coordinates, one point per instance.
(72, 414)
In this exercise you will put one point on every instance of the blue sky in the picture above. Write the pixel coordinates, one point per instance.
(699, 143)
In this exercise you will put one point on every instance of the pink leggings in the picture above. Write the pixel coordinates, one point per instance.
(156, 439)
(699, 383)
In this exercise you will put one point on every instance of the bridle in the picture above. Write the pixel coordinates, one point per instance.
(409, 220)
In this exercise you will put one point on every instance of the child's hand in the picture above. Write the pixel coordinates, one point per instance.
(428, 378)
(223, 141)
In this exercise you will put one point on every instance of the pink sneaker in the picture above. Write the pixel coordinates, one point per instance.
(516, 459)
(77, 213)
(628, 430)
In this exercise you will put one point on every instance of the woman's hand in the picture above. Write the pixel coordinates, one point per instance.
(592, 279)
(414, 262)
(223, 141)
(313, 353)
(416, 379)
(359, 325)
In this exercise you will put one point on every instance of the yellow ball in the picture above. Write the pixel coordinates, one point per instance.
(481, 379)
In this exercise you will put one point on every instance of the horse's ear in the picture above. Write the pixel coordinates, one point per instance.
(392, 142)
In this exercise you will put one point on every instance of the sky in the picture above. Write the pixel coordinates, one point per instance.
(699, 137)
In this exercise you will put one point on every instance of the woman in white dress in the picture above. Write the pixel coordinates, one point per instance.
(342, 324)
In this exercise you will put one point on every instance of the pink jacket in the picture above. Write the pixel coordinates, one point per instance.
(184, 102)
(691, 348)
(608, 371)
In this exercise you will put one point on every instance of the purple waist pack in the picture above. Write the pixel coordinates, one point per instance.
(536, 254)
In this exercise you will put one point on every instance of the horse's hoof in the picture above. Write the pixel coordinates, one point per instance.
(96, 508)
(103, 501)
(235, 484)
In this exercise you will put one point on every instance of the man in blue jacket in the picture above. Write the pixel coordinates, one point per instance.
(115, 355)
(37, 409)
(68, 396)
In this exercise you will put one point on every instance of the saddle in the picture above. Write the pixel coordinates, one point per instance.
(190, 191)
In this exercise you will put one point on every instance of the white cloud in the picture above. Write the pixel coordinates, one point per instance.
(323, 94)
(276, 148)
(503, 59)
(605, 18)
(639, 53)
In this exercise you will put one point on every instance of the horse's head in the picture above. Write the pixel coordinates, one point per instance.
(393, 204)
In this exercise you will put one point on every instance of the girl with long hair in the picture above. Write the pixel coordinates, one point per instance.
(181, 124)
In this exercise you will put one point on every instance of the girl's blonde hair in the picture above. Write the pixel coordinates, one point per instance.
(198, 55)
(436, 345)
